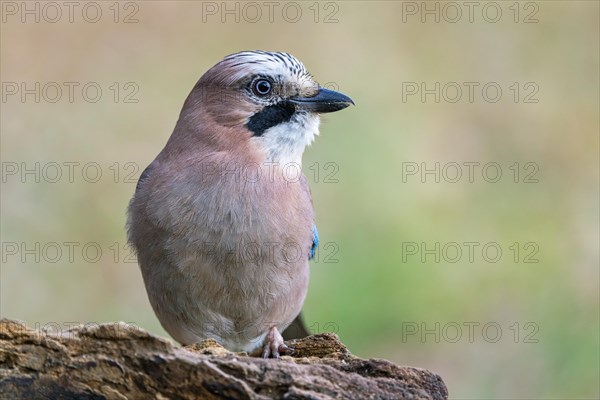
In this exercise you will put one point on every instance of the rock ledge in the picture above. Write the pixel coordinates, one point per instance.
(116, 361)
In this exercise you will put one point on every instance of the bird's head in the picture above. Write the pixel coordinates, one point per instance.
(266, 97)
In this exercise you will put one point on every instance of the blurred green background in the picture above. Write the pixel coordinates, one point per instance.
(508, 329)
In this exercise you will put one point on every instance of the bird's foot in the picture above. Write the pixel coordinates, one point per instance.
(274, 344)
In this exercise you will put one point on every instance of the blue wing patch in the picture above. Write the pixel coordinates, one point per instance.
(315, 242)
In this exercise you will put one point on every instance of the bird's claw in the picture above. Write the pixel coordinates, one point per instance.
(274, 345)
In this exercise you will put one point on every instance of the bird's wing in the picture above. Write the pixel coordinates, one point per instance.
(315, 242)
(143, 177)
(315, 232)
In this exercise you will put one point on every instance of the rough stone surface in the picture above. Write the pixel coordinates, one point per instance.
(116, 361)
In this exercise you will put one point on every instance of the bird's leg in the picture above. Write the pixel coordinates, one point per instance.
(274, 344)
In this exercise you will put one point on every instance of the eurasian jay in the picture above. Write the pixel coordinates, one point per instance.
(222, 220)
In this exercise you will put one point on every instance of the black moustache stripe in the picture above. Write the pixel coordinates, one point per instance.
(269, 117)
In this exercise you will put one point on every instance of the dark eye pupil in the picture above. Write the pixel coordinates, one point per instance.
(262, 87)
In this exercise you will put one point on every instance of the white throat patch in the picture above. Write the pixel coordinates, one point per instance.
(285, 143)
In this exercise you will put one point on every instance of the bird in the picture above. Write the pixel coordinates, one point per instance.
(222, 220)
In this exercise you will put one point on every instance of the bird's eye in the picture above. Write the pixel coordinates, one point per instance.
(262, 87)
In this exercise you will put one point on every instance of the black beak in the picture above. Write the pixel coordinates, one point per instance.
(323, 102)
